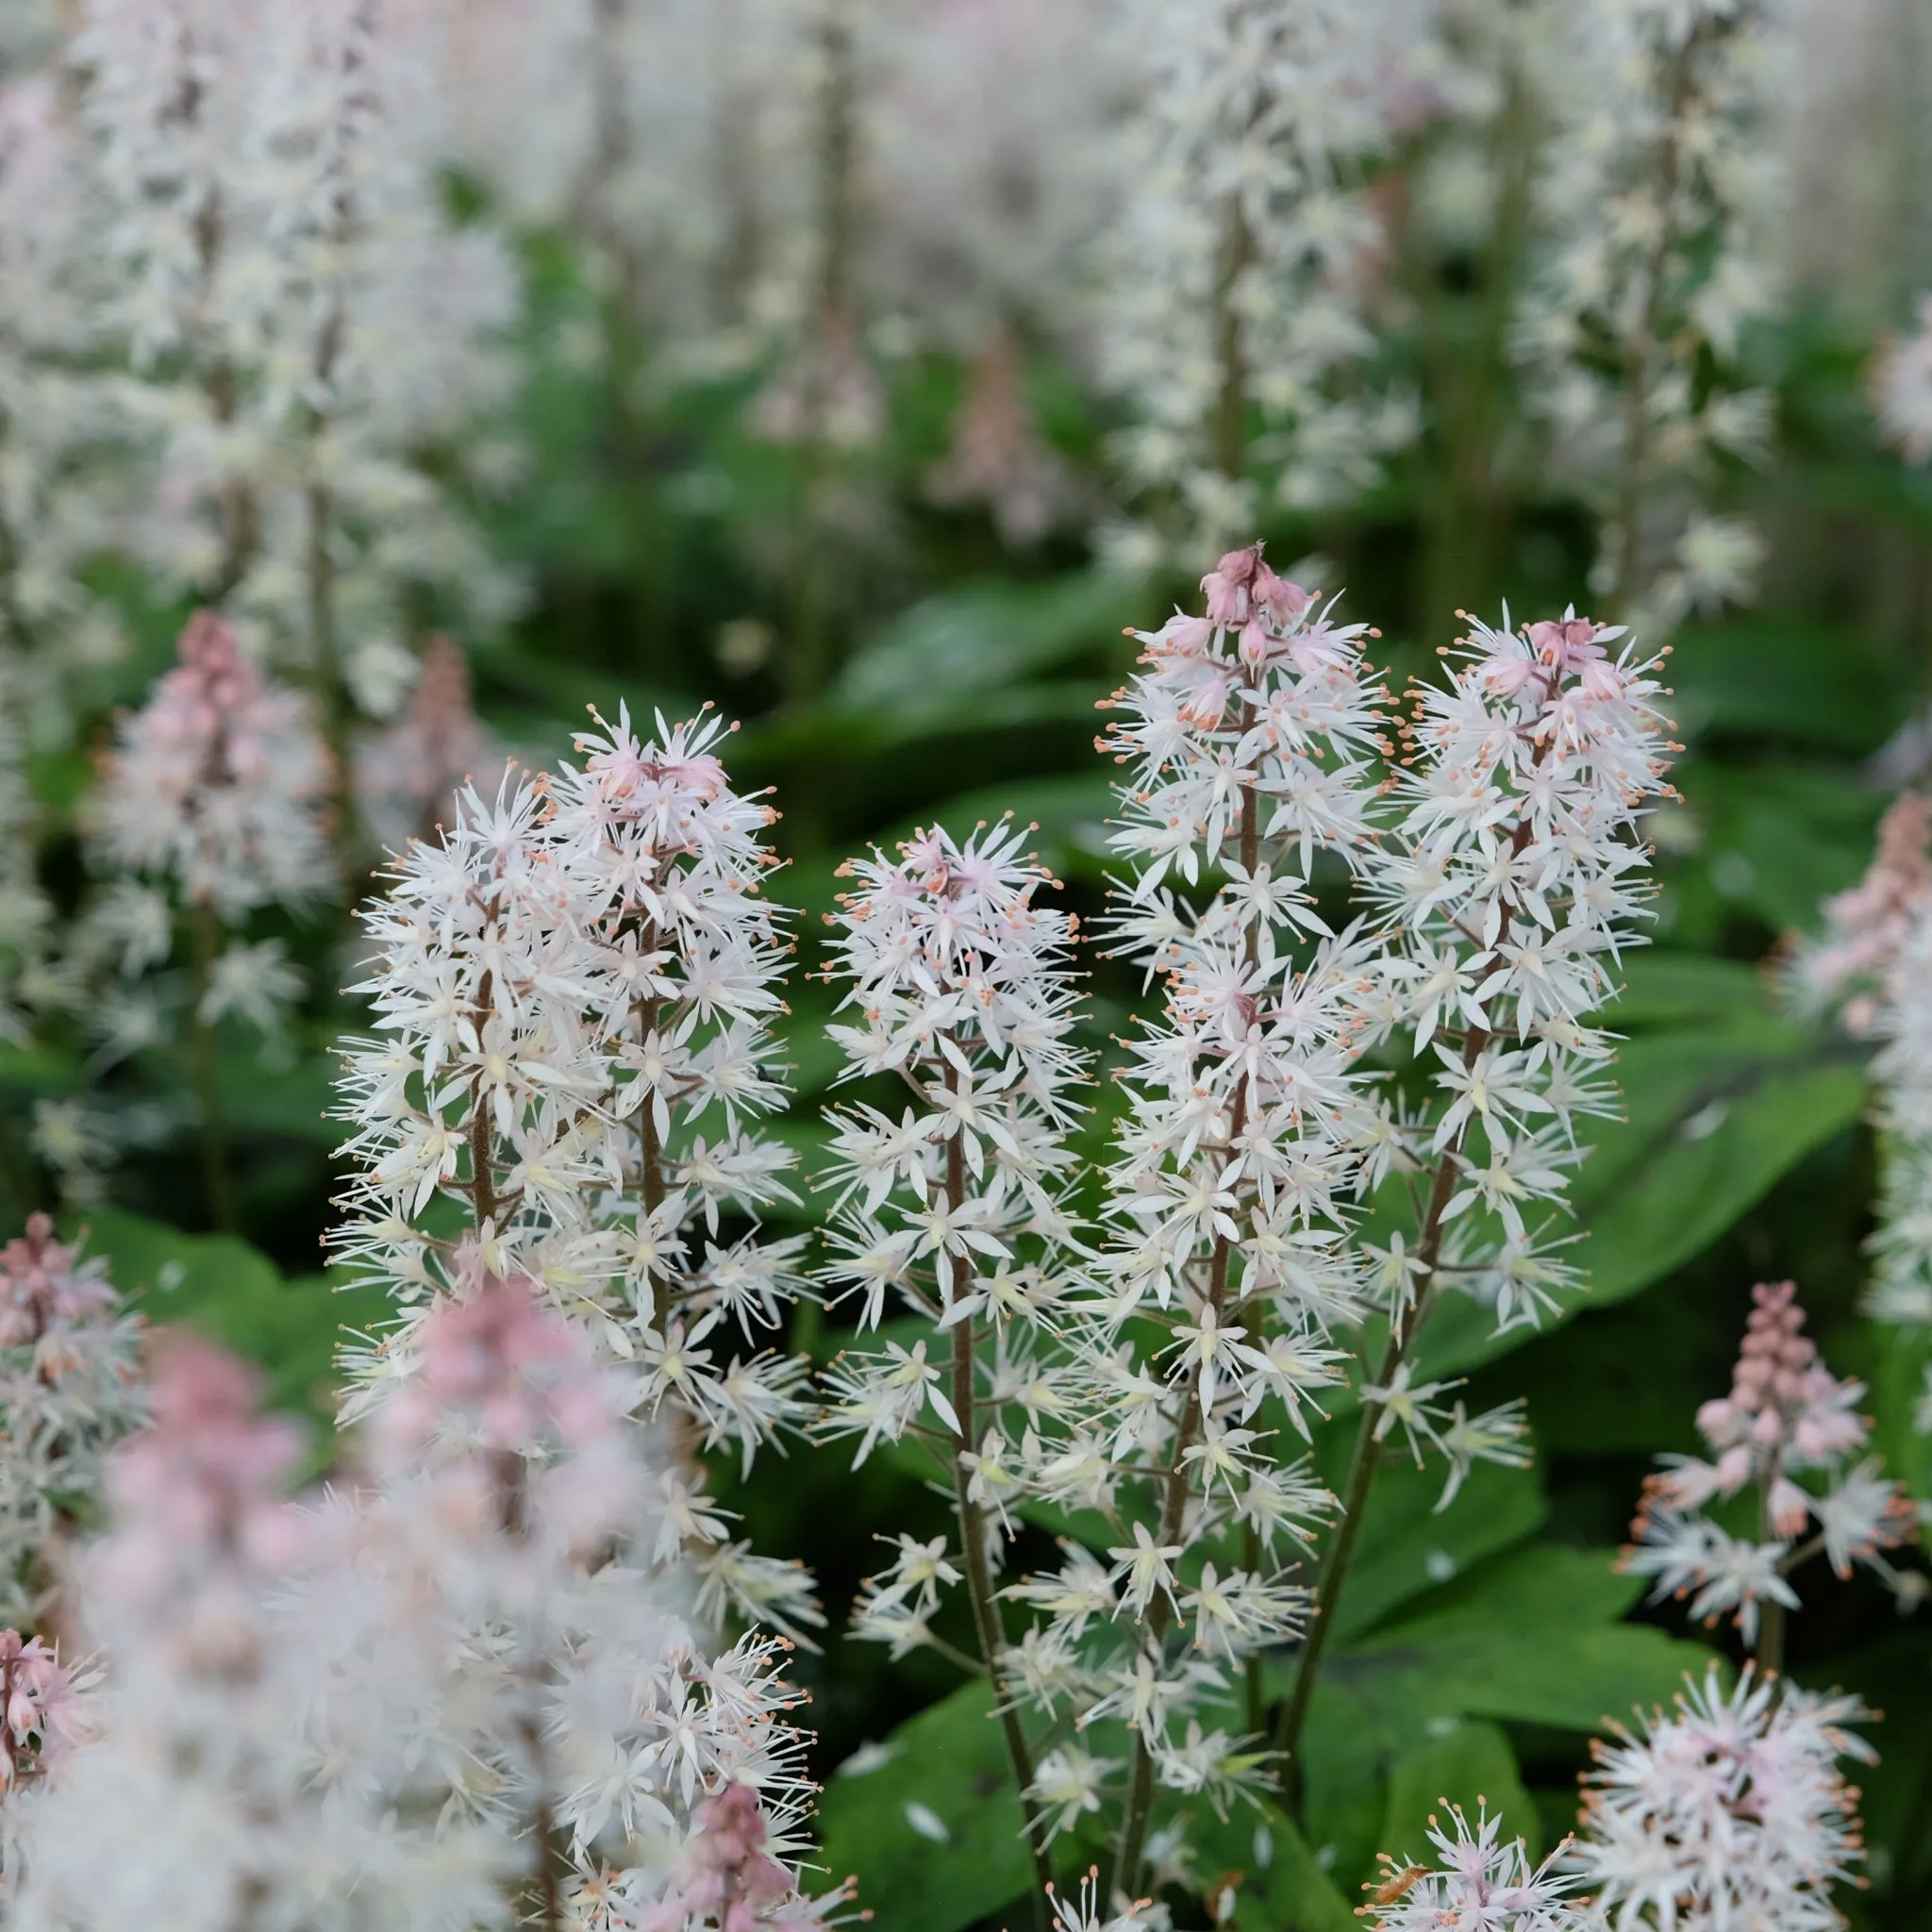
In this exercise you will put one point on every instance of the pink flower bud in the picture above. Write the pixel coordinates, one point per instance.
(1282, 600)
(1226, 587)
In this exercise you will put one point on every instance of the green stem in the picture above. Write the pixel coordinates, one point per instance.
(989, 1624)
(1403, 1328)
(205, 944)
(1368, 1448)
(1173, 1510)
(1639, 354)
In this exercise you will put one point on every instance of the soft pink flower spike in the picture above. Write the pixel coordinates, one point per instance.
(509, 1368)
(37, 1695)
(726, 1880)
(1867, 926)
(220, 782)
(44, 1289)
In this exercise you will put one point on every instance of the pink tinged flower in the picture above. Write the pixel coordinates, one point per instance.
(1729, 1811)
(1789, 1507)
(1479, 1881)
(220, 783)
(1228, 587)
(726, 1878)
(1566, 644)
(44, 1289)
(1283, 601)
(1181, 636)
(408, 776)
(40, 1697)
(517, 1371)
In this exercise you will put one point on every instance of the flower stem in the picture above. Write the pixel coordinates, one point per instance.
(1639, 356)
(1174, 1509)
(204, 943)
(988, 1622)
(1127, 1870)
(1403, 1330)
(1362, 1464)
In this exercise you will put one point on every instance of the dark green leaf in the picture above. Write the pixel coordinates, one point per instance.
(984, 637)
(1464, 1762)
(230, 1291)
(1277, 1880)
(932, 1827)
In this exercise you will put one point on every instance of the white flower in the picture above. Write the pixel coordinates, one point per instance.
(1479, 1881)
(1728, 1811)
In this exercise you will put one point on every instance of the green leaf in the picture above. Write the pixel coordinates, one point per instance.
(291, 1102)
(1464, 1762)
(1667, 988)
(932, 1828)
(1831, 687)
(1776, 837)
(1278, 1882)
(1710, 1129)
(1534, 1637)
(985, 636)
(221, 1287)
(1530, 1637)
(1407, 1547)
(1715, 1117)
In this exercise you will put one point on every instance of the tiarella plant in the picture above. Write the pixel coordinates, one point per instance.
(1251, 738)
(1241, 256)
(557, 1746)
(570, 990)
(952, 1197)
(1786, 1435)
(1510, 881)
(305, 331)
(1656, 206)
(213, 805)
(1329, 1130)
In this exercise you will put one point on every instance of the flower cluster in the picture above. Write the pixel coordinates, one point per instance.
(217, 786)
(70, 1387)
(408, 776)
(571, 988)
(1786, 1417)
(1873, 961)
(1248, 738)
(1867, 927)
(1163, 1375)
(1239, 265)
(1515, 878)
(302, 320)
(41, 1699)
(1478, 1880)
(952, 1198)
(1728, 1811)
(1656, 205)
(555, 1746)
